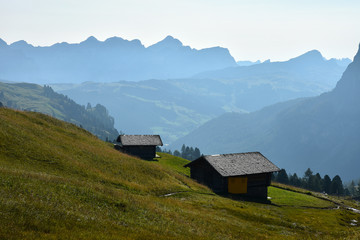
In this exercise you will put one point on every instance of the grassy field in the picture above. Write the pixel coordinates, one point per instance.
(58, 181)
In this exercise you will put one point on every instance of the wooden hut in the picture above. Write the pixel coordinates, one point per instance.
(143, 146)
(248, 174)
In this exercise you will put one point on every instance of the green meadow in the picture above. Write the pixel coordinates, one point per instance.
(58, 181)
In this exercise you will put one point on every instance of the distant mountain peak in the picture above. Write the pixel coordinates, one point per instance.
(169, 38)
(114, 39)
(20, 43)
(90, 40)
(118, 41)
(313, 52)
(313, 55)
(168, 42)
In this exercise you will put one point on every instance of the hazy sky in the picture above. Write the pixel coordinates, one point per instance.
(250, 29)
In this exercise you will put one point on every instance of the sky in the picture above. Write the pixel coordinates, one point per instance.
(250, 29)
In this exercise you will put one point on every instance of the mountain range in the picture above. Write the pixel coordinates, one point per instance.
(310, 70)
(206, 87)
(112, 60)
(174, 108)
(321, 132)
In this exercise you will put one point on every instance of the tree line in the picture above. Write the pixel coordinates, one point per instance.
(315, 182)
(186, 152)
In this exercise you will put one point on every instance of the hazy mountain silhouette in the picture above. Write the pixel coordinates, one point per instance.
(322, 132)
(111, 60)
(308, 71)
(185, 104)
(148, 107)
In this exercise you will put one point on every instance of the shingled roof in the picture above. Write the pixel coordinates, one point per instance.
(140, 140)
(238, 164)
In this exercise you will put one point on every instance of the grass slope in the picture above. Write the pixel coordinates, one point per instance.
(32, 97)
(58, 181)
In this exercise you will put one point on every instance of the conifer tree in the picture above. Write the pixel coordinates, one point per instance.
(197, 153)
(327, 184)
(177, 153)
(294, 180)
(316, 183)
(337, 186)
(351, 188)
(282, 177)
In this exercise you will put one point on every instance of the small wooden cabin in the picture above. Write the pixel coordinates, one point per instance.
(142, 146)
(247, 174)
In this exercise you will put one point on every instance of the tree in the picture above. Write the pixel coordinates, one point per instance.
(327, 184)
(188, 153)
(346, 192)
(177, 153)
(183, 149)
(294, 180)
(351, 188)
(197, 153)
(282, 177)
(316, 183)
(308, 179)
(308, 173)
(274, 176)
(337, 186)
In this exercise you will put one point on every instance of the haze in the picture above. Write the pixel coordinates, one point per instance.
(251, 30)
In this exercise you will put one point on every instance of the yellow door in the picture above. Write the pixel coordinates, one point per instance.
(237, 184)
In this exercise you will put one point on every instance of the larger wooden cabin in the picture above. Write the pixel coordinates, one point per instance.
(143, 146)
(247, 174)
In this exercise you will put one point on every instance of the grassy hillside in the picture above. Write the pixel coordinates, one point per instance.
(32, 97)
(58, 181)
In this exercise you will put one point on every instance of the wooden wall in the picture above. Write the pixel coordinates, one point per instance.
(145, 152)
(204, 173)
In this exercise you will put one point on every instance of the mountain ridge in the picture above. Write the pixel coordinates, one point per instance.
(185, 104)
(107, 61)
(318, 132)
(32, 97)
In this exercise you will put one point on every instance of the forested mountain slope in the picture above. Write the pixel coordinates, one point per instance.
(32, 97)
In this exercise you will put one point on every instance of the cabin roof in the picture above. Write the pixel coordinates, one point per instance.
(237, 164)
(140, 140)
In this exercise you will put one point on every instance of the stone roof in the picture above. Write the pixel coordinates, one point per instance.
(237, 164)
(140, 140)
